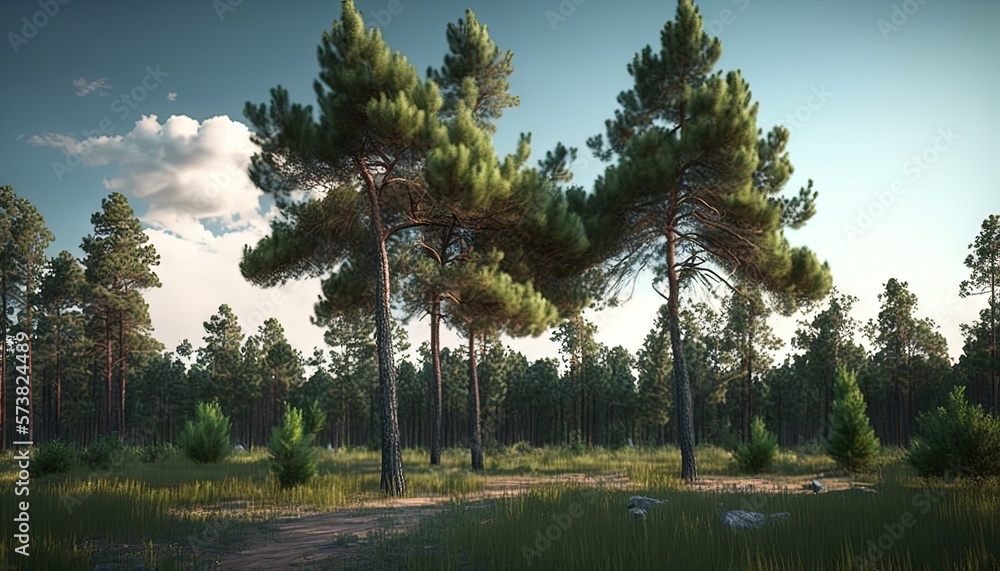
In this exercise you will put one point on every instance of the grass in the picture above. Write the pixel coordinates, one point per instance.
(178, 516)
(188, 512)
(904, 527)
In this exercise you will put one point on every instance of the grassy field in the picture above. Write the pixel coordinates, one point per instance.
(174, 515)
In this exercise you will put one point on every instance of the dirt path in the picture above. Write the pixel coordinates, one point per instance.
(298, 542)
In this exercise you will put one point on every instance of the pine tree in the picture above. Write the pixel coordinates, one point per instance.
(376, 122)
(852, 442)
(984, 263)
(29, 238)
(758, 453)
(226, 379)
(486, 300)
(695, 189)
(293, 456)
(61, 294)
(118, 268)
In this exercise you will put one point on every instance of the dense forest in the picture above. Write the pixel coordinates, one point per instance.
(489, 246)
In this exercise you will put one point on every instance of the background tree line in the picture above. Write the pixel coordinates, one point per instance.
(96, 368)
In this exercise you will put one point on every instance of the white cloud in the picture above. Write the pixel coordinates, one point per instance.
(85, 88)
(188, 172)
(172, 96)
(182, 176)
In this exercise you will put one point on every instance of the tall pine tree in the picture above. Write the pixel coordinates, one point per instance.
(118, 268)
(695, 188)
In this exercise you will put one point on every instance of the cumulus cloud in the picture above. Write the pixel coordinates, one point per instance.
(172, 96)
(182, 177)
(85, 88)
(189, 173)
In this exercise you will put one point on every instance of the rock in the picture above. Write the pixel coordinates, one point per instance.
(642, 502)
(816, 486)
(742, 519)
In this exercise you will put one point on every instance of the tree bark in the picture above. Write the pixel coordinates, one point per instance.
(475, 424)
(58, 396)
(685, 420)
(436, 420)
(392, 481)
(108, 374)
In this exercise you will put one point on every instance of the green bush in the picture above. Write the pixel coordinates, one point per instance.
(522, 447)
(156, 453)
(313, 418)
(104, 451)
(957, 439)
(206, 439)
(852, 443)
(293, 457)
(54, 457)
(757, 455)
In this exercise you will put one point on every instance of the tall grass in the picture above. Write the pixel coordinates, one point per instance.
(951, 528)
(176, 515)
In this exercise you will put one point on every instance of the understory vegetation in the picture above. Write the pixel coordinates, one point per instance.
(175, 514)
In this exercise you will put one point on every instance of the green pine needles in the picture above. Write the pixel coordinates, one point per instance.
(206, 439)
(757, 455)
(293, 457)
(852, 443)
(957, 439)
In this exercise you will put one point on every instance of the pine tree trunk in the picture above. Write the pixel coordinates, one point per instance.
(392, 481)
(685, 419)
(122, 356)
(58, 395)
(475, 424)
(436, 416)
(108, 375)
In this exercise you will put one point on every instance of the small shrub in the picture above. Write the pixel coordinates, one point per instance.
(293, 457)
(522, 447)
(104, 451)
(156, 453)
(956, 439)
(54, 457)
(757, 455)
(313, 418)
(852, 443)
(206, 439)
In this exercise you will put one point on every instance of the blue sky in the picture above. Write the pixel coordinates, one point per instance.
(890, 104)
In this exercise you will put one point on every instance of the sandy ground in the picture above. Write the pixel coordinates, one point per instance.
(297, 542)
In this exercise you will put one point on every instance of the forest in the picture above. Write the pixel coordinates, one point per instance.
(98, 370)
(389, 189)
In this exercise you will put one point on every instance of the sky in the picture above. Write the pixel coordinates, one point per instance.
(890, 104)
